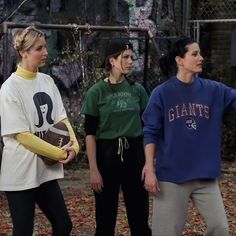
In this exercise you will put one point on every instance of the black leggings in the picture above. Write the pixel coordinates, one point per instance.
(49, 198)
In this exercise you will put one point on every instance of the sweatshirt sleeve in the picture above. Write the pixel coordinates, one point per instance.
(152, 119)
(230, 97)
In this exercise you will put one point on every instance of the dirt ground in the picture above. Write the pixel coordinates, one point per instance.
(80, 202)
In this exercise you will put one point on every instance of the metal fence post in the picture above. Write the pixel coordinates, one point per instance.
(145, 72)
(5, 50)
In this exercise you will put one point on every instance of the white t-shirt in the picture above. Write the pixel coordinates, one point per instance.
(27, 105)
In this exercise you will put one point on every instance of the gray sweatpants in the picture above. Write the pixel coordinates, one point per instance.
(171, 205)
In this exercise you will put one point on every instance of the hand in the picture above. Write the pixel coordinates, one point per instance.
(96, 181)
(150, 180)
(71, 154)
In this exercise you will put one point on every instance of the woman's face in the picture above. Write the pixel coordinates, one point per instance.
(192, 60)
(123, 62)
(36, 56)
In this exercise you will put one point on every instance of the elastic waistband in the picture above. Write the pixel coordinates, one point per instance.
(121, 143)
(130, 139)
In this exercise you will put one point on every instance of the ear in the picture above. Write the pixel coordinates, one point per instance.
(111, 60)
(179, 60)
(22, 53)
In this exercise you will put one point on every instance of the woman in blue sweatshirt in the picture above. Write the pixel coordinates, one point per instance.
(182, 129)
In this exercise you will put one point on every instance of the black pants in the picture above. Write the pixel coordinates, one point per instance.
(126, 174)
(49, 198)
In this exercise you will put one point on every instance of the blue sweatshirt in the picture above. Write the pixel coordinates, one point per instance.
(184, 121)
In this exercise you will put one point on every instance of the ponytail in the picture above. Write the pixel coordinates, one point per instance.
(167, 62)
(167, 65)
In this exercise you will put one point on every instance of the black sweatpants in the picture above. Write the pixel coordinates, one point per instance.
(121, 170)
(49, 198)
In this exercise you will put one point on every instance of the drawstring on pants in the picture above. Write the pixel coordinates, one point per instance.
(122, 143)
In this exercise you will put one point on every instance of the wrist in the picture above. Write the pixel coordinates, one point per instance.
(149, 168)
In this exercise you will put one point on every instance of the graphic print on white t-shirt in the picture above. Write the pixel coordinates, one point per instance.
(44, 107)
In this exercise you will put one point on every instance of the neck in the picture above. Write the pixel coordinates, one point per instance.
(28, 67)
(25, 73)
(116, 79)
(185, 77)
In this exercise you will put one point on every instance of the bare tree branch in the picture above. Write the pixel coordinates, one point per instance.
(17, 8)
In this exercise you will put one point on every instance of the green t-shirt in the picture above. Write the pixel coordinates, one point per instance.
(118, 110)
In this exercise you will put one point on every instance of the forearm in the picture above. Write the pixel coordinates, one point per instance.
(40, 147)
(91, 151)
(73, 138)
(150, 151)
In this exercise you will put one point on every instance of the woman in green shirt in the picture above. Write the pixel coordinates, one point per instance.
(114, 143)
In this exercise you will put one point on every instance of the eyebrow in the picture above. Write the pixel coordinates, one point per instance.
(194, 51)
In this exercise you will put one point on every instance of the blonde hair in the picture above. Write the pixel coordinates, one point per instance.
(24, 39)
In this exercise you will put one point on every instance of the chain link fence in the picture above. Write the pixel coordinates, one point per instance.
(165, 18)
(75, 55)
(212, 24)
(213, 10)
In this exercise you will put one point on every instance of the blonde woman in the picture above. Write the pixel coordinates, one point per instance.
(29, 104)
